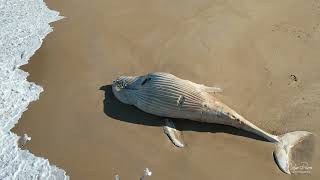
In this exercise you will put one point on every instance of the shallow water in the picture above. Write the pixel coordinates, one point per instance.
(240, 46)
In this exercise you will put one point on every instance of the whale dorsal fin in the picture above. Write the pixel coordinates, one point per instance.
(205, 88)
(211, 89)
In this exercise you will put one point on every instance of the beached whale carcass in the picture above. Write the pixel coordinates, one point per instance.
(166, 95)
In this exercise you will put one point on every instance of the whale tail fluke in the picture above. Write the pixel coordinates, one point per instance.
(282, 153)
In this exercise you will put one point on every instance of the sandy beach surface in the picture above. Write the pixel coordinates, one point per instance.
(265, 55)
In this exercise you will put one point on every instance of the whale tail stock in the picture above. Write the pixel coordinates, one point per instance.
(284, 143)
(282, 153)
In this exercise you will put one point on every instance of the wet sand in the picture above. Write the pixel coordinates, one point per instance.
(265, 55)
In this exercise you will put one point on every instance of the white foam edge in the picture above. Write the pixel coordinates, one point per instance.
(23, 25)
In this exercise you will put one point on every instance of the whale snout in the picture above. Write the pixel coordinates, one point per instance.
(121, 88)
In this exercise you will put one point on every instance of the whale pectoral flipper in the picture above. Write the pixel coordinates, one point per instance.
(173, 134)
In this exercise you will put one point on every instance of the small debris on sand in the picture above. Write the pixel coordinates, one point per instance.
(147, 172)
(293, 77)
(24, 139)
(116, 177)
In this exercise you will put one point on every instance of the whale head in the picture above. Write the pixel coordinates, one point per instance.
(124, 87)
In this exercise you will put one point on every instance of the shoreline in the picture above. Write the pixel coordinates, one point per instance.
(23, 27)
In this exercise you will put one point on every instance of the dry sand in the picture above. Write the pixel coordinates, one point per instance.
(249, 48)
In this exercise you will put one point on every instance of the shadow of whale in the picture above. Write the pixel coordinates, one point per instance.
(129, 113)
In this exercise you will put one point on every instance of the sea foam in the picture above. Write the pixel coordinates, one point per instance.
(23, 25)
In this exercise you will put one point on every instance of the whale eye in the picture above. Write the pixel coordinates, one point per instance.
(145, 81)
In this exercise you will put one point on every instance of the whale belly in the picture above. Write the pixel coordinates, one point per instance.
(168, 96)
